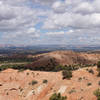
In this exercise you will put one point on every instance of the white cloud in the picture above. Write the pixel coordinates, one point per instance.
(84, 8)
(21, 37)
(71, 31)
(31, 30)
(75, 14)
(59, 7)
(79, 18)
(55, 33)
(15, 17)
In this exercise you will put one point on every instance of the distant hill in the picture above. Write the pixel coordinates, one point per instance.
(48, 61)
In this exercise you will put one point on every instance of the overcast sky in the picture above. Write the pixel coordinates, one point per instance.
(33, 22)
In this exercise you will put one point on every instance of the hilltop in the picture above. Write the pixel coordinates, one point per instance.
(48, 61)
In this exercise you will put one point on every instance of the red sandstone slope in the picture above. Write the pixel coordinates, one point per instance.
(15, 85)
(70, 57)
(52, 59)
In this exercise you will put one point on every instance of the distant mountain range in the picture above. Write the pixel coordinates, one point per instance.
(51, 47)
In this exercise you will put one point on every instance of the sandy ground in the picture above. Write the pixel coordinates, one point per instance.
(15, 85)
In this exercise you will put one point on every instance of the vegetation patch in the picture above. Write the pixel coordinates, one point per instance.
(89, 84)
(66, 67)
(66, 74)
(45, 81)
(91, 71)
(99, 83)
(15, 58)
(58, 96)
(51, 65)
(80, 79)
(98, 64)
(98, 68)
(97, 94)
(33, 82)
(19, 67)
(72, 91)
(27, 73)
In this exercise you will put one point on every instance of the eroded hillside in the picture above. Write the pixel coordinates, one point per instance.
(36, 85)
(48, 61)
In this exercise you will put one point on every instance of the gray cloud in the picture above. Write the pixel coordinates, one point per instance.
(75, 14)
(68, 20)
(44, 2)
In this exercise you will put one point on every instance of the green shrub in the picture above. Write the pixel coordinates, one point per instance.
(72, 91)
(33, 82)
(98, 68)
(21, 70)
(58, 96)
(97, 94)
(89, 84)
(45, 81)
(7, 93)
(66, 74)
(66, 67)
(99, 83)
(27, 73)
(80, 78)
(91, 71)
(21, 89)
(98, 64)
(98, 74)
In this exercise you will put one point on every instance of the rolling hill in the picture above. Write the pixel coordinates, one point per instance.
(48, 61)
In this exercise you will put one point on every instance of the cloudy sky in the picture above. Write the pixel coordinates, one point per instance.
(33, 22)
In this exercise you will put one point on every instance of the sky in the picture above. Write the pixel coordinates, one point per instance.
(33, 22)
